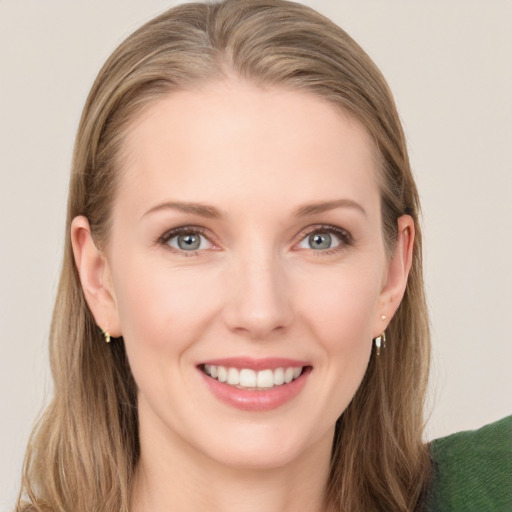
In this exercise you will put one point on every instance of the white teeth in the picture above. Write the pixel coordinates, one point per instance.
(233, 376)
(265, 379)
(278, 377)
(222, 374)
(247, 378)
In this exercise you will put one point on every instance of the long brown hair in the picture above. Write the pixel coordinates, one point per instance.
(85, 447)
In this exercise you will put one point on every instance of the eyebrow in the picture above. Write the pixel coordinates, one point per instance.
(211, 212)
(313, 208)
(203, 210)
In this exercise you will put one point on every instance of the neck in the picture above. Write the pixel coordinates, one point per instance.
(173, 476)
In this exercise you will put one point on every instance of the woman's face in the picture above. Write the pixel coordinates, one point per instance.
(246, 245)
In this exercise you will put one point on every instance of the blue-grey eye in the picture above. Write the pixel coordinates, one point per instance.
(321, 239)
(188, 241)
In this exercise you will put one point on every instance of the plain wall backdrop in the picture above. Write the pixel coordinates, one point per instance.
(449, 64)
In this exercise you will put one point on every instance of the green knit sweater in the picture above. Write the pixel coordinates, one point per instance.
(473, 470)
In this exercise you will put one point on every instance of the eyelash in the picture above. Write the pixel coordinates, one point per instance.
(189, 230)
(344, 236)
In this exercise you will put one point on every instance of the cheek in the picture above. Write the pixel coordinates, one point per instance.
(161, 309)
(342, 307)
(340, 312)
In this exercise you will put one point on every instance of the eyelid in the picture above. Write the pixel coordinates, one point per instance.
(170, 233)
(344, 236)
(174, 232)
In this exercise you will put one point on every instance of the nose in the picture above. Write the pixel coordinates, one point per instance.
(258, 304)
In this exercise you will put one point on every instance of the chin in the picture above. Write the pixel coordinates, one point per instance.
(257, 459)
(266, 447)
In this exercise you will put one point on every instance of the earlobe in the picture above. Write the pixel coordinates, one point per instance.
(95, 277)
(398, 270)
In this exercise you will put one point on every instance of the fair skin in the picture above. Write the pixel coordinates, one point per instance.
(265, 284)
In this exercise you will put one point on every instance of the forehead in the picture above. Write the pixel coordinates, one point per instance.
(253, 141)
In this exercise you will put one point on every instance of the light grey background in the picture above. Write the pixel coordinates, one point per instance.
(449, 64)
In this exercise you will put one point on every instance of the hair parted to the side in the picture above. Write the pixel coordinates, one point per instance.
(84, 449)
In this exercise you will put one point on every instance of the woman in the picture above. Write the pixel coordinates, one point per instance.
(243, 233)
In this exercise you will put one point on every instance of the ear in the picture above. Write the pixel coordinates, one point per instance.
(398, 272)
(95, 277)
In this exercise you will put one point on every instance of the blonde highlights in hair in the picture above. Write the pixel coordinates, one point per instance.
(85, 447)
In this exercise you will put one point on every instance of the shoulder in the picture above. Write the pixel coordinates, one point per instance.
(472, 471)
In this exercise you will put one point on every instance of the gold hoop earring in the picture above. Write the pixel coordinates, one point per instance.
(106, 334)
(380, 341)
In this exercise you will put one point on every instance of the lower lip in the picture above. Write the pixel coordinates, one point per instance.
(257, 400)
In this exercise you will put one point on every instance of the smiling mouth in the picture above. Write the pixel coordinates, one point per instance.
(249, 379)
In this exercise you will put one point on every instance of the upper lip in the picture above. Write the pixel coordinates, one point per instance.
(267, 363)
